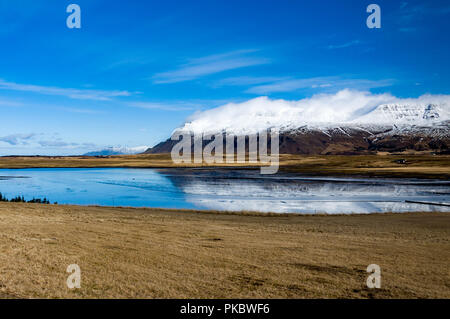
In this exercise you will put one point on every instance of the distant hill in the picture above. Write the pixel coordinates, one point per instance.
(117, 151)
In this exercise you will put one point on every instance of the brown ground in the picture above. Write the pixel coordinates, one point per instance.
(417, 165)
(150, 253)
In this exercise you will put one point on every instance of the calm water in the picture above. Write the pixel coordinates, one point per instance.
(223, 190)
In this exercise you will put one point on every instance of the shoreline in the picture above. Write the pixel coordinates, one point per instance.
(225, 212)
(153, 253)
(244, 212)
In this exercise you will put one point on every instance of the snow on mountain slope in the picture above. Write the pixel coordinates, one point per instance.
(407, 114)
(346, 108)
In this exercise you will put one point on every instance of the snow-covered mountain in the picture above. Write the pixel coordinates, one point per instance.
(345, 108)
(346, 122)
(118, 151)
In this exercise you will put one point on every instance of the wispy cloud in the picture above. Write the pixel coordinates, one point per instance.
(343, 45)
(58, 107)
(57, 143)
(80, 110)
(196, 68)
(336, 83)
(42, 140)
(247, 80)
(169, 106)
(127, 62)
(17, 139)
(81, 94)
(185, 105)
(415, 12)
(10, 103)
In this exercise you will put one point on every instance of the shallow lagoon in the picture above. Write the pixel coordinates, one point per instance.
(220, 189)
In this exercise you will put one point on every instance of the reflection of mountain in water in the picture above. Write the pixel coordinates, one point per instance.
(247, 190)
(222, 189)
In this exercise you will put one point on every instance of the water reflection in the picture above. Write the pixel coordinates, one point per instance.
(223, 190)
(247, 190)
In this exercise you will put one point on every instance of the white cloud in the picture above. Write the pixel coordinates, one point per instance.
(80, 94)
(346, 106)
(208, 65)
(17, 139)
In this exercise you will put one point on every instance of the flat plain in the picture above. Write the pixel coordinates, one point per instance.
(153, 253)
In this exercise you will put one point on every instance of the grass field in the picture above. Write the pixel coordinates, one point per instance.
(150, 253)
(423, 166)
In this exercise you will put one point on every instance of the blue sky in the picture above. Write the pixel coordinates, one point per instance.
(138, 69)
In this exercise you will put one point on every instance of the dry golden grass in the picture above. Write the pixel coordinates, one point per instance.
(417, 165)
(151, 253)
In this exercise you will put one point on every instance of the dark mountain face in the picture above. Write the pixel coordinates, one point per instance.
(353, 140)
(163, 147)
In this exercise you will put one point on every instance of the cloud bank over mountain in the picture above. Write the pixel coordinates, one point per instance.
(346, 107)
